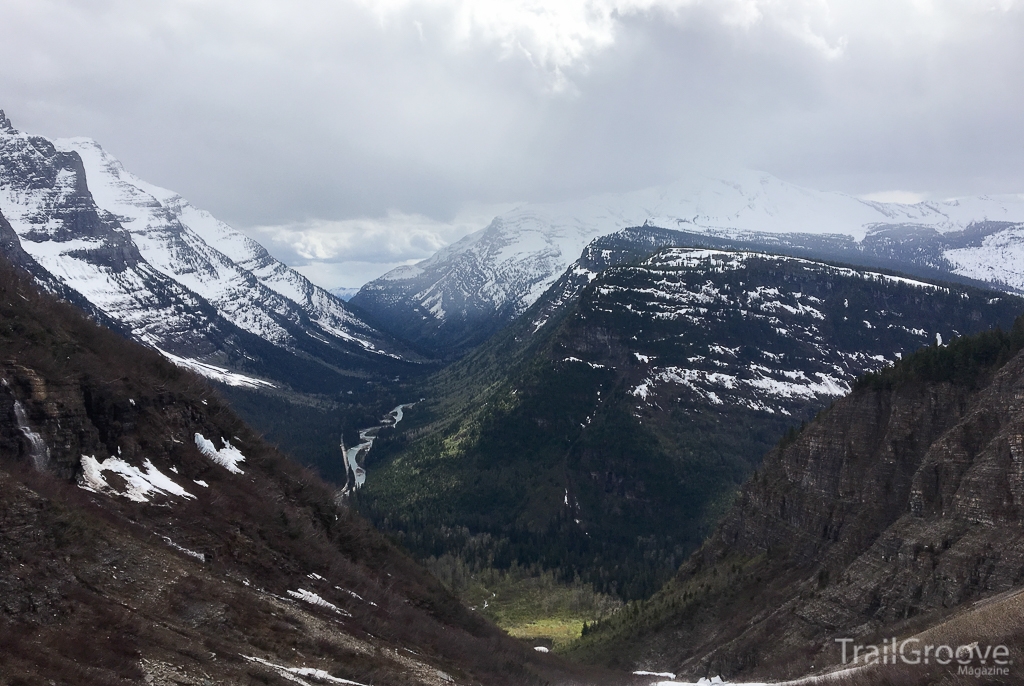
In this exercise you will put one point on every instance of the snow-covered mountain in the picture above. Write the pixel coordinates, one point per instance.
(470, 288)
(173, 276)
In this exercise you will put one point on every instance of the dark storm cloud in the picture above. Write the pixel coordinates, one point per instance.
(362, 131)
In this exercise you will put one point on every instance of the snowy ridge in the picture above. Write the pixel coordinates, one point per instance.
(765, 332)
(721, 260)
(170, 275)
(230, 270)
(999, 259)
(503, 268)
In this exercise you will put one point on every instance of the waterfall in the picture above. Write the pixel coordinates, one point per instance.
(39, 452)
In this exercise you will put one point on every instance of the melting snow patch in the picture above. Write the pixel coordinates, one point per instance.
(139, 484)
(216, 373)
(202, 483)
(227, 457)
(541, 649)
(642, 390)
(314, 599)
(295, 673)
(592, 364)
(355, 595)
(667, 675)
(192, 553)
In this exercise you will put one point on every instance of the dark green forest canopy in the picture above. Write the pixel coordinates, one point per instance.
(540, 448)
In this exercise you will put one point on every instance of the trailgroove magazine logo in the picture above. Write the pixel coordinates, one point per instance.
(970, 659)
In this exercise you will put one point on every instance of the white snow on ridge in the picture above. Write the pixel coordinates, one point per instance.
(173, 248)
(522, 252)
(189, 259)
(763, 387)
(140, 484)
(230, 270)
(227, 457)
(999, 259)
(730, 260)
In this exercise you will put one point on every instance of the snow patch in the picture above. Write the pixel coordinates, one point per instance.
(355, 595)
(182, 549)
(592, 364)
(140, 484)
(216, 373)
(294, 674)
(313, 599)
(227, 457)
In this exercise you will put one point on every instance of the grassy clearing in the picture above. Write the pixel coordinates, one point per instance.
(558, 631)
(527, 602)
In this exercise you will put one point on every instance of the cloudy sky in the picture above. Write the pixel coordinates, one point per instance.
(350, 136)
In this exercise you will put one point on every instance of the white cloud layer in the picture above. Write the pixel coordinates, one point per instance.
(348, 253)
(307, 116)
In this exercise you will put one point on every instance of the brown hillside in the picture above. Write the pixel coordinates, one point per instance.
(217, 586)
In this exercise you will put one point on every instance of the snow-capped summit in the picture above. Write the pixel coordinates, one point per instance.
(230, 270)
(172, 275)
(490, 276)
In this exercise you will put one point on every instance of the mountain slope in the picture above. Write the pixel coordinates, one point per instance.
(607, 441)
(175, 278)
(890, 513)
(148, 535)
(465, 292)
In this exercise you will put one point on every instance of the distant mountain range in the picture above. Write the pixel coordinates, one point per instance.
(468, 290)
(145, 261)
(345, 294)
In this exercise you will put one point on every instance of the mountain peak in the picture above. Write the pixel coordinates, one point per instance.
(5, 123)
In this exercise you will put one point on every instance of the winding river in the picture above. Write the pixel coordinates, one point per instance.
(356, 474)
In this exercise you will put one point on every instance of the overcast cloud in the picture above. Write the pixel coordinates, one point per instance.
(355, 135)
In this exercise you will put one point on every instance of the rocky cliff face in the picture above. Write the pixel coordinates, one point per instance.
(896, 507)
(148, 535)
